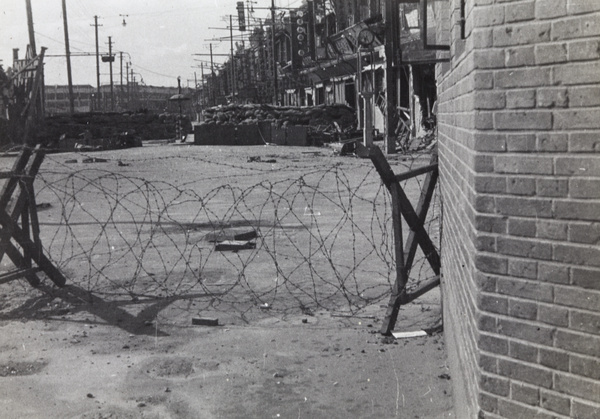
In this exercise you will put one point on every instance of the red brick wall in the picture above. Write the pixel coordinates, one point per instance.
(519, 142)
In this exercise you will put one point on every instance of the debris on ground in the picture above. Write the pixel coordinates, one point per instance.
(234, 245)
(413, 334)
(94, 160)
(343, 148)
(246, 236)
(205, 321)
(258, 159)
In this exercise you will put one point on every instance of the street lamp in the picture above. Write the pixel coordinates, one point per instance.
(179, 98)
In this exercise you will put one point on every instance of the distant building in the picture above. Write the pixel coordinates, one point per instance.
(133, 97)
(57, 98)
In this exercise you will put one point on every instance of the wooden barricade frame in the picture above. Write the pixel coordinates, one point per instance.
(19, 226)
(415, 218)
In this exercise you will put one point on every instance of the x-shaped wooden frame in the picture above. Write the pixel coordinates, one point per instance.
(26, 235)
(418, 236)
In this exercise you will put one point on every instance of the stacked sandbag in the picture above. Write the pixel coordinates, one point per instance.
(322, 115)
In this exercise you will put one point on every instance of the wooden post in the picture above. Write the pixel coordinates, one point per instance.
(68, 54)
(399, 287)
(30, 27)
(391, 76)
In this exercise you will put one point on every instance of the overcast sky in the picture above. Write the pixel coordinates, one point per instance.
(159, 36)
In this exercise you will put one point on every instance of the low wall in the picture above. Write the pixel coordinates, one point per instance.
(251, 134)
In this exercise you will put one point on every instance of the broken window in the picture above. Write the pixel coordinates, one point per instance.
(424, 33)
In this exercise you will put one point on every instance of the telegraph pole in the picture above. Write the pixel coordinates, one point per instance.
(392, 52)
(30, 26)
(68, 52)
(232, 62)
(110, 61)
(132, 85)
(198, 98)
(127, 77)
(121, 75)
(275, 82)
(212, 78)
(97, 62)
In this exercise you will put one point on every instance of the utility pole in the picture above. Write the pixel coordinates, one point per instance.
(97, 62)
(30, 26)
(200, 97)
(39, 103)
(110, 61)
(392, 50)
(127, 76)
(212, 78)
(179, 132)
(232, 62)
(132, 85)
(275, 82)
(68, 52)
(120, 95)
(196, 93)
(242, 80)
(312, 44)
(326, 19)
(121, 72)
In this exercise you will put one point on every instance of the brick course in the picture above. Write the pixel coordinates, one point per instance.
(519, 144)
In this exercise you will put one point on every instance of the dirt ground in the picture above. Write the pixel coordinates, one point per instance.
(88, 351)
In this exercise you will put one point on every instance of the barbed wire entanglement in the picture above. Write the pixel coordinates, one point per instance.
(313, 233)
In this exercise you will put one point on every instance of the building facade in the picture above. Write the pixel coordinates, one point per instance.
(519, 137)
(57, 99)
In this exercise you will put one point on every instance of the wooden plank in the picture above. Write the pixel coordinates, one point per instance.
(234, 245)
(8, 175)
(416, 172)
(31, 208)
(246, 236)
(205, 321)
(423, 289)
(382, 166)
(11, 276)
(421, 210)
(25, 227)
(413, 334)
(15, 255)
(18, 167)
(421, 235)
(36, 85)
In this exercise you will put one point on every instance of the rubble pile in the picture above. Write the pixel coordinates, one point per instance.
(334, 117)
